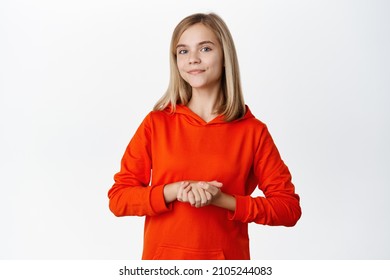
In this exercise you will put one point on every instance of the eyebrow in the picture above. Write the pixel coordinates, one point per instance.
(199, 44)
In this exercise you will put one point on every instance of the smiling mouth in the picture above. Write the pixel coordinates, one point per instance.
(195, 71)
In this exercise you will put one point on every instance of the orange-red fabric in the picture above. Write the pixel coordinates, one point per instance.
(171, 147)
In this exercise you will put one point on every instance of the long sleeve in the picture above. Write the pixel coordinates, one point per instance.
(172, 147)
(280, 206)
(131, 194)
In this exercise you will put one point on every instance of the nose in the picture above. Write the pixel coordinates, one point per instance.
(194, 58)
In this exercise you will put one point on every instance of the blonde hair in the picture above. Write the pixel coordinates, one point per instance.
(231, 103)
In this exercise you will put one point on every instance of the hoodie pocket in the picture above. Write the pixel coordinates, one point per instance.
(181, 253)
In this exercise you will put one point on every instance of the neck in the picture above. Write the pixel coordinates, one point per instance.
(203, 103)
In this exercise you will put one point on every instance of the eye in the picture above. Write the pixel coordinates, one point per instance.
(182, 51)
(205, 49)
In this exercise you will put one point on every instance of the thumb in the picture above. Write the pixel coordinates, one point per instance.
(216, 184)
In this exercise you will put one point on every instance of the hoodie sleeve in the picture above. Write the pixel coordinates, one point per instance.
(131, 194)
(280, 206)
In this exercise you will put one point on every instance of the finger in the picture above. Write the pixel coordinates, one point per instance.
(179, 194)
(197, 197)
(210, 188)
(191, 198)
(203, 198)
(186, 191)
(216, 184)
(180, 190)
(209, 197)
(200, 194)
(206, 185)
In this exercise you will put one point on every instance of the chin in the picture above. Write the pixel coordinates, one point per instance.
(195, 84)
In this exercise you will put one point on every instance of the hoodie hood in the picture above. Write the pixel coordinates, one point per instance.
(194, 119)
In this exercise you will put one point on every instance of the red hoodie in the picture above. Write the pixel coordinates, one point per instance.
(181, 146)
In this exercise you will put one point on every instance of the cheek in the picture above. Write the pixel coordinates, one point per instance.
(217, 63)
(217, 67)
(180, 67)
(180, 63)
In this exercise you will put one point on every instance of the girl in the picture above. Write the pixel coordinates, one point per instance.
(195, 160)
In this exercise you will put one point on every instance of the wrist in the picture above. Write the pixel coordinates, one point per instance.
(170, 191)
(226, 201)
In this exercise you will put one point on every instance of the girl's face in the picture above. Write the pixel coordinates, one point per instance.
(200, 57)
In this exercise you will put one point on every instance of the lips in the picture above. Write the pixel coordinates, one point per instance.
(195, 71)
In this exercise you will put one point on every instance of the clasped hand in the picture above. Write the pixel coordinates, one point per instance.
(198, 194)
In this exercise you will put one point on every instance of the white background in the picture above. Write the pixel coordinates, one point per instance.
(77, 78)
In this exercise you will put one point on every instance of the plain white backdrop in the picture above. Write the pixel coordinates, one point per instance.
(77, 78)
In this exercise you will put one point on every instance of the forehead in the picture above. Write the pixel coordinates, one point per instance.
(197, 33)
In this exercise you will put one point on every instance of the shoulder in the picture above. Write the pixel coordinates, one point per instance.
(156, 118)
(157, 115)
